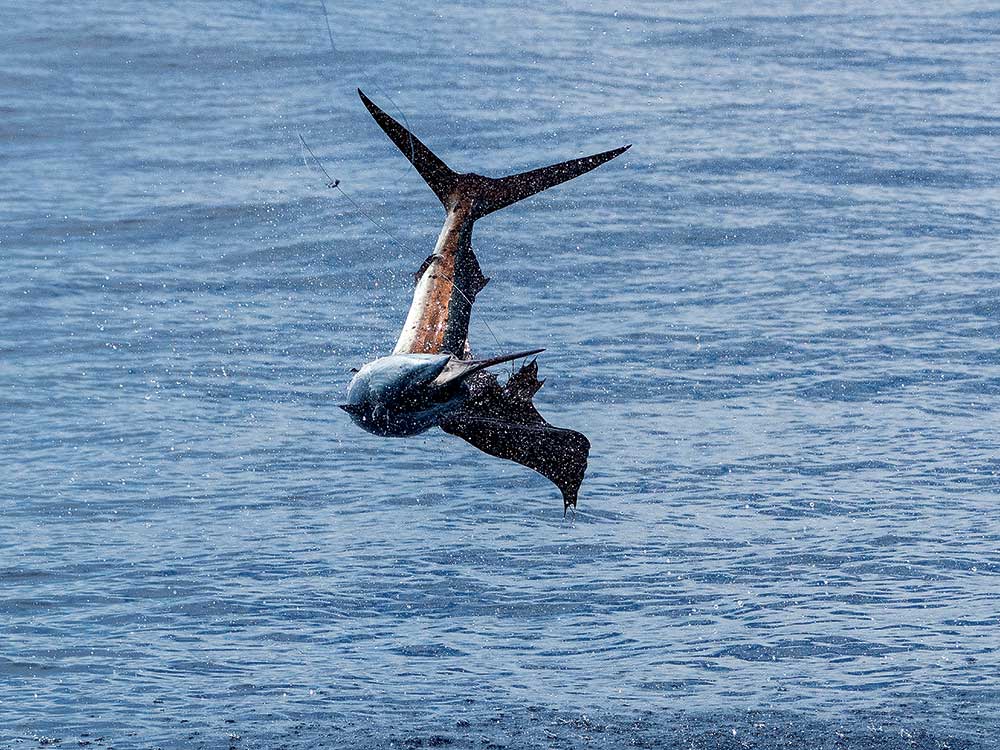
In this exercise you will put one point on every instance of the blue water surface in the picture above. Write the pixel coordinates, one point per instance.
(776, 317)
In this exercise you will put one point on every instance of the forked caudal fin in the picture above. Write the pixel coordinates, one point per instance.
(489, 194)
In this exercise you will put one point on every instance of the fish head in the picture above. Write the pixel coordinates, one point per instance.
(396, 396)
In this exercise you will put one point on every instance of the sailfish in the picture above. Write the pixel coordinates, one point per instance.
(431, 379)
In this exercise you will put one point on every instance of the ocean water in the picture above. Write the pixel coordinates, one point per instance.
(776, 317)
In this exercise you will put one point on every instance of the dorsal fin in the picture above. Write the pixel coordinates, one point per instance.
(435, 172)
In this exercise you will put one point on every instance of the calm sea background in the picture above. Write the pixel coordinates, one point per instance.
(776, 317)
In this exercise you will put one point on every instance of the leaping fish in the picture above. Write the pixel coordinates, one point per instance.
(431, 378)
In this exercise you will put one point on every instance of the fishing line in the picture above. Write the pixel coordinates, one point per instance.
(335, 184)
(333, 48)
(332, 183)
(329, 31)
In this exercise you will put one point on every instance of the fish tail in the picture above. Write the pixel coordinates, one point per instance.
(488, 194)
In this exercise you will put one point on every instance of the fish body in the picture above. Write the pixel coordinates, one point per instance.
(405, 394)
(431, 378)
